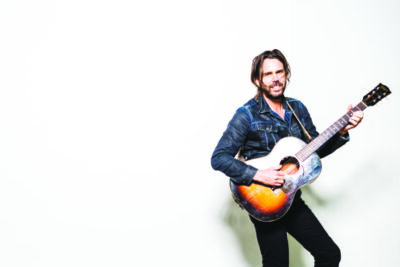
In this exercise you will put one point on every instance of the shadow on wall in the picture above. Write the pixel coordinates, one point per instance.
(238, 220)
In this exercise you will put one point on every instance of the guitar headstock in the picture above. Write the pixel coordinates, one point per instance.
(376, 95)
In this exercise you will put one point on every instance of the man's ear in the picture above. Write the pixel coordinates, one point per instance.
(257, 82)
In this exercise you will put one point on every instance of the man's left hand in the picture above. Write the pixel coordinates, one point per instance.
(353, 122)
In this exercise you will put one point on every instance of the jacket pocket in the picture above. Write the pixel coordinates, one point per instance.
(268, 134)
(295, 130)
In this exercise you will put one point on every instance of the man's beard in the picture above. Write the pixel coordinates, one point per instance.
(266, 90)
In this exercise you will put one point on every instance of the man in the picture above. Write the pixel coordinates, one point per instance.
(254, 130)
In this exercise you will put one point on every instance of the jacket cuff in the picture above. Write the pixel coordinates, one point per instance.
(248, 175)
(345, 137)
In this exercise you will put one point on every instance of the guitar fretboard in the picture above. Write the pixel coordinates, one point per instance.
(321, 139)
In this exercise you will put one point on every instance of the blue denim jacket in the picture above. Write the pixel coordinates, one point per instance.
(256, 128)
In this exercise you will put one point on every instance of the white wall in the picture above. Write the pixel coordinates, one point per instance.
(110, 110)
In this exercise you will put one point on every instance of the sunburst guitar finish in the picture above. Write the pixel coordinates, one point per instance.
(267, 203)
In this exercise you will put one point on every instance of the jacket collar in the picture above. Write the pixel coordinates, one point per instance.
(265, 108)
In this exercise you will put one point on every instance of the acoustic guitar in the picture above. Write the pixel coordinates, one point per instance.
(300, 164)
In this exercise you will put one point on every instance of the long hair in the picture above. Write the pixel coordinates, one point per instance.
(256, 73)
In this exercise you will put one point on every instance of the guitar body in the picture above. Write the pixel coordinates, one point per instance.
(266, 203)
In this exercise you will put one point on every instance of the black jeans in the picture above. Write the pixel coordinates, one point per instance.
(302, 224)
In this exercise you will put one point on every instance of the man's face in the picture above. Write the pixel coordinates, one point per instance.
(273, 78)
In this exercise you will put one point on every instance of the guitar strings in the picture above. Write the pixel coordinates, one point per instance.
(327, 134)
(311, 147)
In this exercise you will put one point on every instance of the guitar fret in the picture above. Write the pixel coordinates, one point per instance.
(313, 146)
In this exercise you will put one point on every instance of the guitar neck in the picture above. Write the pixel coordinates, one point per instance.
(316, 143)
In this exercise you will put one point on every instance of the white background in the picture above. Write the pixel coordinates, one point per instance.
(110, 110)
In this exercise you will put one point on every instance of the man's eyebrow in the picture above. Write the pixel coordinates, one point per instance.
(270, 72)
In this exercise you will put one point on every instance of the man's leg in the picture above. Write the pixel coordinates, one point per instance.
(272, 240)
(304, 226)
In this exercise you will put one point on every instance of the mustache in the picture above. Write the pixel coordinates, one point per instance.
(264, 86)
(277, 83)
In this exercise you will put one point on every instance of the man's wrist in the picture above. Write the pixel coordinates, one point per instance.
(344, 136)
(343, 133)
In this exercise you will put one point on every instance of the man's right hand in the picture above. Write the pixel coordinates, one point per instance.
(272, 176)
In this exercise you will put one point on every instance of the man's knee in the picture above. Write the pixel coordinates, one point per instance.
(328, 258)
(336, 255)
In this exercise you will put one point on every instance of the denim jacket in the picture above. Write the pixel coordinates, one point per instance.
(256, 128)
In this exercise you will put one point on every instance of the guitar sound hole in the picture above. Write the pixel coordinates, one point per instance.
(290, 165)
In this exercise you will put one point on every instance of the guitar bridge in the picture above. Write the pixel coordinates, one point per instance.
(290, 166)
